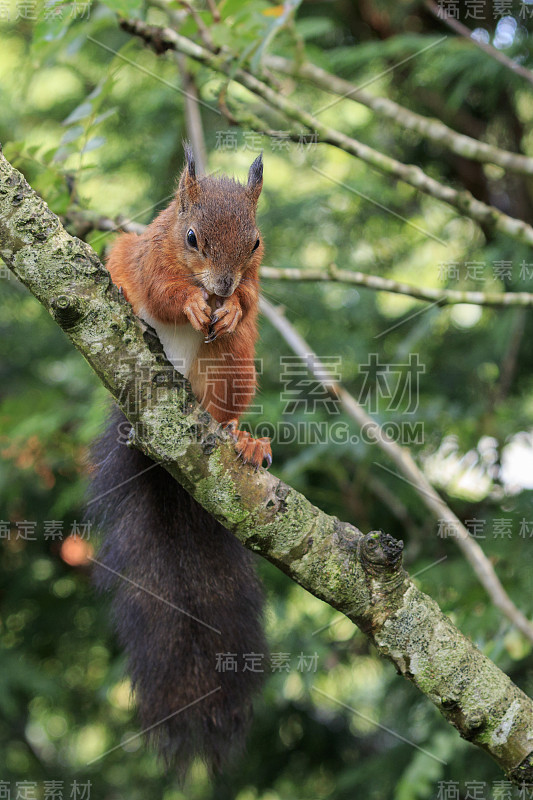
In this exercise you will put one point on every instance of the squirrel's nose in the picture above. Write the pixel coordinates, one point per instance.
(224, 286)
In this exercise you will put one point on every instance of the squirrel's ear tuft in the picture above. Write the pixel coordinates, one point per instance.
(255, 178)
(188, 189)
(189, 155)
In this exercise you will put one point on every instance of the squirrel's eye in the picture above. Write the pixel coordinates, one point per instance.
(256, 245)
(191, 239)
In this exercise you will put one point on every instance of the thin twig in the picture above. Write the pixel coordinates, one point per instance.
(203, 30)
(193, 119)
(377, 283)
(215, 13)
(86, 222)
(83, 222)
(432, 129)
(464, 31)
(408, 469)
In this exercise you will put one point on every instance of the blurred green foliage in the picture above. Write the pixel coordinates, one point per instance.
(95, 122)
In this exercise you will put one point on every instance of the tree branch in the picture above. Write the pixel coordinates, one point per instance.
(359, 575)
(193, 118)
(458, 27)
(203, 30)
(432, 129)
(376, 282)
(161, 39)
(84, 221)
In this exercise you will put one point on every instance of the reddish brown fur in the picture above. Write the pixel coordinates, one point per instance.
(160, 272)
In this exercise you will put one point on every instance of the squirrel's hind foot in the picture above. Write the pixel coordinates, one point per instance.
(251, 451)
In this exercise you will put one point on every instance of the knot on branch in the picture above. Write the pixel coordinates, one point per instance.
(473, 725)
(381, 554)
(67, 310)
(85, 261)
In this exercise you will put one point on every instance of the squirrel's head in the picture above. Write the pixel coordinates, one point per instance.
(216, 226)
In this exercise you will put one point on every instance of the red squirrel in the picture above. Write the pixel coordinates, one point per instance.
(184, 590)
(193, 275)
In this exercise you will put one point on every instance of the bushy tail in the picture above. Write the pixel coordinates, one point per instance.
(184, 594)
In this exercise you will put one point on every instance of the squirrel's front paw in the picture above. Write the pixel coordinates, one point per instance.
(225, 319)
(197, 311)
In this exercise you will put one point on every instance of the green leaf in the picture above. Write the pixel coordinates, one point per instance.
(105, 115)
(81, 112)
(94, 144)
(72, 134)
(288, 11)
(52, 25)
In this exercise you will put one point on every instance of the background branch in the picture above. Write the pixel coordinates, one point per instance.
(458, 27)
(195, 132)
(432, 129)
(376, 282)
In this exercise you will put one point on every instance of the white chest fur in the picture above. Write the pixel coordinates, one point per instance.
(180, 342)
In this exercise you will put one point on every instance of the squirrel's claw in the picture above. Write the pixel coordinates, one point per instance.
(197, 310)
(231, 324)
(231, 426)
(211, 336)
(226, 318)
(251, 451)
